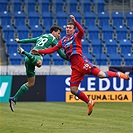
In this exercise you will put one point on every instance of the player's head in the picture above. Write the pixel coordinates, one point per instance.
(56, 31)
(70, 28)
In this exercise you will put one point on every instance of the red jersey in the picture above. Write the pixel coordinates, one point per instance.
(71, 45)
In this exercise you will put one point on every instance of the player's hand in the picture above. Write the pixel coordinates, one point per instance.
(34, 51)
(73, 18)
(16, 39)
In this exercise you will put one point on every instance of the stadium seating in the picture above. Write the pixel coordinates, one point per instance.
(117, 18)
(128, 59)
(115, 59)
(44, 6)
(23, 31)
(34, 18)
(85, 6)
(107, 34)
(5, 18)
(36, 31)
(97, 46)
(15, 59)
(103, 18)
(93, 32)
(16, 5)
(57, 60)
(129, 18)
(20, 18)
(90, 18)
(8, 32)
(111, 46)
(121, 32)
(47, 60)
(3, 5)
(125, 46)
(99, 5)
(101, 59)
(58, 6)
(62, 18)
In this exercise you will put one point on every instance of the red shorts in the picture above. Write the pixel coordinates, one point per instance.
(81, 66)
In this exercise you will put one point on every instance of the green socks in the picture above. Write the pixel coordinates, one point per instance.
(24, 88)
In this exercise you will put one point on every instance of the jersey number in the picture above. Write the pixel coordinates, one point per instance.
(42, 41)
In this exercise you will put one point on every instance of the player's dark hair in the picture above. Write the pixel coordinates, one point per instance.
(71, 23)
(55, 28)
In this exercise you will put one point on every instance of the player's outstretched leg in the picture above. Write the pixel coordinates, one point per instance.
(12, 103)
(123, 76)
(20, 50)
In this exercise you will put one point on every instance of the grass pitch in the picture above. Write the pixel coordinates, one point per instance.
(42, 117)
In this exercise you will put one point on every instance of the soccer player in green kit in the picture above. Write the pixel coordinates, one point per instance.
(31, 60)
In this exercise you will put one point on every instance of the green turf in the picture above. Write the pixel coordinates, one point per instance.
(41, 117)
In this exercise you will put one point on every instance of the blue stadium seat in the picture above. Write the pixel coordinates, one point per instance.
(85, 6)
(111, 46)
(96, 46)
(30, 5)
(117, 18)
(77, 15)
(93, 32)
(99, 5)
(5, 18)
(8, 32)
(15, 59)
(115, 59)
(129, 18)
(121, 32)
(85, 46)
(89, 56)
(16, 5)
(34, 18)
(57, 60)
(103, 18)
(125, 46)
(19, 18)
(128, 58)
(107, 32)
(44, 5)
(61, 18)
(36, 31)
(131, 32)
(47, 18)
(89, 18)
(26, 46)
(63, 32)
(11, 47)
(46, 60)
(23, 31)
(3, 5)
(72, 5)
(58, 6)
(101, 59)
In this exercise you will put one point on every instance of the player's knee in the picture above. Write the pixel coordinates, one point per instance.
(30, 84)
(101, 75)
(74, 90)
(39, 63)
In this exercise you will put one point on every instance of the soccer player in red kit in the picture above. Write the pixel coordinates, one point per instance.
(80, 64)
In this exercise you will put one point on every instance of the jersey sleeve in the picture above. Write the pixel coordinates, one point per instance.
(32, 40)
(62, 54)
(80, 30)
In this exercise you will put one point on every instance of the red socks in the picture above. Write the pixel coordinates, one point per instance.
(111, 74)
(82, 96)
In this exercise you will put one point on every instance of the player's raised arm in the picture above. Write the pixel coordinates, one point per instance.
(81, 30)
